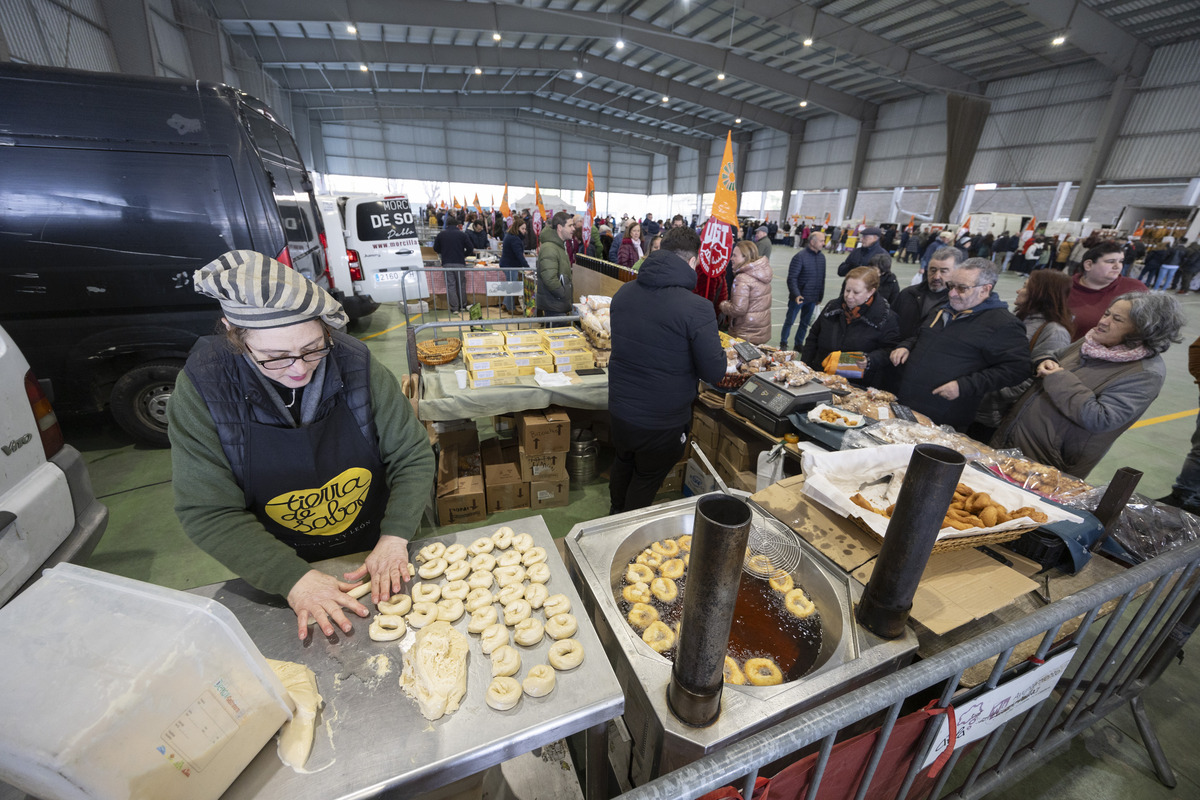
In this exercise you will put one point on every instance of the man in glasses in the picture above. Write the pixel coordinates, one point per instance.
(966, 347)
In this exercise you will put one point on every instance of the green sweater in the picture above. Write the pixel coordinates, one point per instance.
(212, 507)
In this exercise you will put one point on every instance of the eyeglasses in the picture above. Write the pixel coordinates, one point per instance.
(284, 362)
(963, 288)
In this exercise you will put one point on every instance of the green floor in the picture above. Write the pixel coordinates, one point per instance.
(144, 541)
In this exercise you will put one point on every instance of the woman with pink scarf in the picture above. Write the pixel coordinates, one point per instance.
(1095, 388)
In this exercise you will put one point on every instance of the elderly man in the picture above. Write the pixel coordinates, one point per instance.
(762, 240)
(868, 248)
(806, 288)
(966, 348)
(1097, 284)
(916, 301)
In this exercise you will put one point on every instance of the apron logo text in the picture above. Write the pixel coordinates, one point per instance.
(324, 511)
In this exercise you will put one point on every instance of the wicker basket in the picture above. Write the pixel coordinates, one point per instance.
(434, 352)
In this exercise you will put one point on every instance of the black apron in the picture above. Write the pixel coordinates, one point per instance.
(320, 488)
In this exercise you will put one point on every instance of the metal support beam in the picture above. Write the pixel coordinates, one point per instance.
(5, 53)
(670, 176)
(706, 155)
(789, 172)
(1090, 32)
(862, 141)
(316, 139)
(740, 160)
(1060, 199)
(1123, 90)
(203, 36)
(128, 23)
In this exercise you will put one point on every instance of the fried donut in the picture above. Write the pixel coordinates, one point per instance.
(457, 571)
(481, 580)
(426, 592)
(649, 558)
(539, 572)
(536, 594)
(639, 573)
(508, 575)
(528, 632)
(760, 564)
(642, 615)
(534, 555)
(637, 593)
(502, 538)
(659, 636)
(450, 609)
(493, 636)
(430, 551)
(423, 613)
(509, 558)
(667, 548)
(503, 693)
(733, 673)
(455, 552)
(522, 542)
(387, 627)
(782, 582)
(685, 542)
(672, 568)
(562, 626)
(483, 544)
(514, 591)
(505, 661)
(763, 672)
(664, 589)
(540, 681)
(456, 590)
(477, 599)
(482, 618)
(484, 562)
(516, 611)
(398, 604)
(798, 604)
(565, 654)
(432, 569)
(556, 604)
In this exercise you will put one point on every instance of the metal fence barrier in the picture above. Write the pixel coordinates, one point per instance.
(1134, 641)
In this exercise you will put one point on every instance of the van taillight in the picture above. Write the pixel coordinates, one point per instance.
(284, 257)
(325, 250)
(43, 413)
(356, 273)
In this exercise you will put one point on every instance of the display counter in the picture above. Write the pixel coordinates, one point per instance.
(442, 400)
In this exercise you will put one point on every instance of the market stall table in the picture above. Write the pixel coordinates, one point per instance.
(442, 400)
(371, 736)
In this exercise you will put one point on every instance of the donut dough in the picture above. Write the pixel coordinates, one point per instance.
(650, 558)
(562, 626)
(538, 573)
(387, 628)
(430, 551)
(455, 552)
(502, 538)
(477, 599)
(798, 604)
(540, 681)
(534, 555)
(733, 673)
(565, 654)
(432, 569)
(399, 604)
(556, 604)
(782, 583)
(509, 558)
(514, 591)
(426, 592)
(639, 573)
(637, 593)
(536, 594)
(482, 618)
(503, 693)
(505, 661)
(763, 672)
(664, 589)
(667, 548)
(456, 590)
(483, 544)
(422, 614)
(528, 632)
(457, 571)
(493, 636)
(685, 543)
(481, 580)
(522, 542)
(360, 591)
(516, 611)
(642, 615)
(435, 670)
(296, 735)
(506, 575)
(672, 568)
(450, 609)
(659, 636)
(484, 562)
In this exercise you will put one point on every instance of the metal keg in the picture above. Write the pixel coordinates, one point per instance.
(581, 458)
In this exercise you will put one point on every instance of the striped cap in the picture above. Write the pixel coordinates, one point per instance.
(259, 292)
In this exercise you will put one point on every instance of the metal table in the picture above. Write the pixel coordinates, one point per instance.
(371, 736)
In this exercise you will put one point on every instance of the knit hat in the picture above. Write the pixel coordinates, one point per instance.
(259, 292)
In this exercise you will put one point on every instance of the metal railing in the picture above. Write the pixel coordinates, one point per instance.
(430, 294)
(1150, 611)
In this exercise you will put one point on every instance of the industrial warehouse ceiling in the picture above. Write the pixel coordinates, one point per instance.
(671, 73)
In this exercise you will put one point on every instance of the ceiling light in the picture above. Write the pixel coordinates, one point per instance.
(362, 67)
(495, 37)
(803, 103)
(666, 99)
(1057, 40)
(808, 42)
(720, 76)
(351, 29)
(478, 71)
(737, 121)
(620, 44)
(578, 75)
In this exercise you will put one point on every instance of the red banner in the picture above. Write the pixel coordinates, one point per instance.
(716, 247)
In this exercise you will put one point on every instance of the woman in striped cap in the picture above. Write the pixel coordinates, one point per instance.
(290, 443)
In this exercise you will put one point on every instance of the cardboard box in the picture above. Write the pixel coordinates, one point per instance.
(545, 431)
(705, 430)
(746, 481)
(460, 433)
(522, 337)
(549, 494)
(737, 452)
(696, 480)
(460, 497)
(542, 467)
(496, 359)
(479, 383)
(576, 358)
(674, 480)
(479, 339)
(532, 358)
(709, 452)
(494, 372)
(503, 486)
(536, 347)
(559, 333)
(573, 343)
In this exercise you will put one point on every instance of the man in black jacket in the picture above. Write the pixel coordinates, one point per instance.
(664, 340)
(966, 348)
(868, 248)
(914, 303)
(454, 246)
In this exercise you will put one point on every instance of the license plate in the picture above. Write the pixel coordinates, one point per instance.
(389, 277)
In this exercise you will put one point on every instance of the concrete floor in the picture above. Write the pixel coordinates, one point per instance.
(144, 541)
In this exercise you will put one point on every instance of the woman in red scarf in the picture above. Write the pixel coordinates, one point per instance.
(854, 332)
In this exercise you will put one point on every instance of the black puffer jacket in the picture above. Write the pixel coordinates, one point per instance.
(914, 303)
(664, 340)
(876, 332)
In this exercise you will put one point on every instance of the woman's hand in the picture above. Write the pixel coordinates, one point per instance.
(322, 597)
(899, 355)
(387, 566)
(1047, 367)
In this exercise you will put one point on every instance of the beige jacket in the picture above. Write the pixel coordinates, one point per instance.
(749, 304)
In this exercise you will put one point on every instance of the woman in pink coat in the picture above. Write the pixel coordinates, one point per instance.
(749, 304)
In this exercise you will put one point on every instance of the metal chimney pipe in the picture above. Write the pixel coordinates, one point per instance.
(719, 535)
(928, 489)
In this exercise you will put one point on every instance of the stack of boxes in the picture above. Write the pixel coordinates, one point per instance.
(543, 438)
(569, 349)
(734, 458)
(498, 359)
(488, 363)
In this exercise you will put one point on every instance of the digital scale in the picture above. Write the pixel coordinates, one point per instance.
(767, 403)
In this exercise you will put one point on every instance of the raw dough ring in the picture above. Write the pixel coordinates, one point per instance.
(536, 594)
(668, 548)
(782, 583)
(456, 590)
(522, 542)
(457, 571)
(422, 614)
(516, 611)
(509, 558)
(538, 573)
(534, 555)
(484, 562)
(503, 693)
(483, 544)
(481, 580)
(482, 619)
(659, 636)
(664, 589)
(360, 591)
(493, 636)
(399, 604)
(432, 569)
(477, 599)
(426, 592)
(540, 681)
(430, 551)
(455, 552)
(639, 573)
(733, 673)
(562, 626)
(763, 672)
(503, 537)
(565, 654)
(637, 593)
(672, 568)
(556, 604)
(528, 632)
(508, 575)
(450, 609)
(798, 604)
(642, 615)
(505, 661)
(514, 591)
(387, 627)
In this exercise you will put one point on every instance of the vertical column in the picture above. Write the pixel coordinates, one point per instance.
(843, 198)
(1192, 196)
(202, 34)
(740, 161)
(1060, 199)
(897, 199)
(128, 24)
(963, 209)
(795, 140)
(861, 143)
(5, 53)
(704, 154)
(1110, 125)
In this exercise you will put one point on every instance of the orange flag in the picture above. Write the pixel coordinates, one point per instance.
(724, 205)
(1027, 234)
(1141, 228)
(478, 207)
(911, 220)
(537, 196)
(504, 209)
(965, 228)
(455, 199)
(590, 212)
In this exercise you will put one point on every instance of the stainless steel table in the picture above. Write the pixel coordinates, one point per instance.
(370, 735)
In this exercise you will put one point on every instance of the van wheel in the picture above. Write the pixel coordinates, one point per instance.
(139, 400)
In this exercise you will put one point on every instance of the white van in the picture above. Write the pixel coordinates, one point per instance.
(381, 238)
(356, 292)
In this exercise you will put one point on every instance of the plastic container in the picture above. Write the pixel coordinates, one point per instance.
(114, 688)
